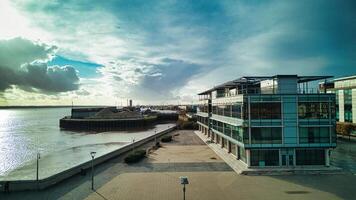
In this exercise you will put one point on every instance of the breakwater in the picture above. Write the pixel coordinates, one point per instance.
(115, 124)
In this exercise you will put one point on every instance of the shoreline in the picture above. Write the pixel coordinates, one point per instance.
(23, 185)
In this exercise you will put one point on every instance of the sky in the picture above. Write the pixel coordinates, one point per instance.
(164, 52)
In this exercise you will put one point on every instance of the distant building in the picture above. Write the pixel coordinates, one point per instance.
(270, 120)
(345, 91)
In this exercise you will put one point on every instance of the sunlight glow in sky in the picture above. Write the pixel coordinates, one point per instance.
(104, 52)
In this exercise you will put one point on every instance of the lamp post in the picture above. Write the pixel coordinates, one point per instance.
(133, 144)
(155, 137)
(92, 154)
(184, 181)
(37, 168)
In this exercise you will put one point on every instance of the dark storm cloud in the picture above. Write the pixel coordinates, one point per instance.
(23, 63)
(163, 79)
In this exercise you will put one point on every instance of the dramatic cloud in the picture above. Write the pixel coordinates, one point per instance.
(166, 51)
(162, 80)
(23, 63)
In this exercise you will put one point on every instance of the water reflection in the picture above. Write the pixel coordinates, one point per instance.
(24, 132)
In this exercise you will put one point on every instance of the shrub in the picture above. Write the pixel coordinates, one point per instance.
(188, 125)
(166, 138)
(345, 129)
(135, 156)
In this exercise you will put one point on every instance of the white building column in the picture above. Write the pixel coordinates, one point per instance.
(248, 157)
(327, 157)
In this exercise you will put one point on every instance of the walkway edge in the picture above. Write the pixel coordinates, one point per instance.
(229, 159)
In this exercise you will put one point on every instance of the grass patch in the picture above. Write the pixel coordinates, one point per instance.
(135, 156)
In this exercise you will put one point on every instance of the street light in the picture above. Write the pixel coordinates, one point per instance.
(184, 181)
(133, 144)
(92, 154)
(37, 168)
(155, 137)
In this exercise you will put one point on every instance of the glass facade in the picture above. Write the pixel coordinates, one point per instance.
(266, 135)
(265, 110)
(337, 105)
(234, 110)
(314, 135)
(203, 120)
(235, 132)
(264, 158)
(284, 129)
(233, 149)
(242, 154)
(310, 156)
(313, 110)
(348, 105)
(203, 108)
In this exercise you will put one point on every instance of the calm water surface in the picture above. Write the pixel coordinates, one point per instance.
(24, 132)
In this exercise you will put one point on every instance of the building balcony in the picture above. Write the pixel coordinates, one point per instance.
(204, 97)
(206, 125)
(202, 114)
(229, 120)
(228, 99)
(203, 102)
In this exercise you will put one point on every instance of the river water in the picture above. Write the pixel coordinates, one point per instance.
(26, 132)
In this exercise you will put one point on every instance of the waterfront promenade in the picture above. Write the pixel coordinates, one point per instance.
(157, 177)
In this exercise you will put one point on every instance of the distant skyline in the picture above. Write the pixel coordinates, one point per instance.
(104, 52)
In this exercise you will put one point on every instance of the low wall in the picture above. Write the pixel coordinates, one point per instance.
(22, 185)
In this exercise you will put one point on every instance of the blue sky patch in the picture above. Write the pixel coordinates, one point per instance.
(86, 69)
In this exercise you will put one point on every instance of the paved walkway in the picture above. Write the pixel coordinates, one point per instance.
(218, 185)
(210, 179)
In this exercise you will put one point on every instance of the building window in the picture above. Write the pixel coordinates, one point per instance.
(310, 157)
(266, 110)
(264, 158)
(237, 133)
(242, 154)
(336, 109)
(203, 108)
(227, 129)
(203, 120)
(314, 135)
(246, 135)
(236, 110)
(233, 149)
(313, 110)
(227, 110)
(216, 125)
(266, 135)
(348, 105)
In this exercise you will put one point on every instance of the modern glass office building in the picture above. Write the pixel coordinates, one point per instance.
(270, 121)
(345, 91)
